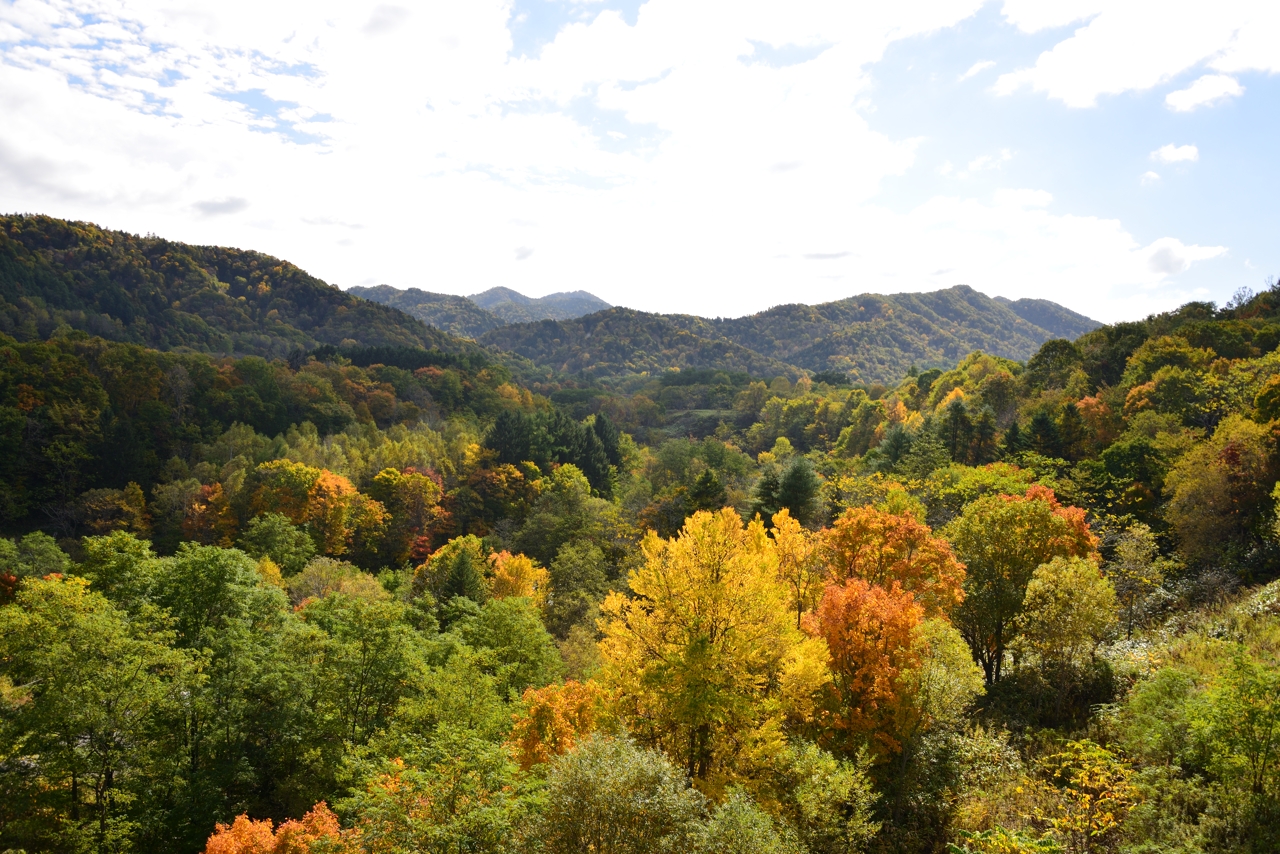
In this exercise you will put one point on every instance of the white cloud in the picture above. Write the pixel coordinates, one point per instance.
(1176, 154)
(1209, 89)
(1133, 45)
(1150, 178)
(640, 161)
(1168, 256)
(977, 68)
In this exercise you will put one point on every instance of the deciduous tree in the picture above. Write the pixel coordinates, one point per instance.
(705, 650)
(1002, 539)
(882, 548)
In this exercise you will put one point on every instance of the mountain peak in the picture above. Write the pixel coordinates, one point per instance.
(515, 307)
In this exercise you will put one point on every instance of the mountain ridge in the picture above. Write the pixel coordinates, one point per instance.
(174, 296)
(869, 337)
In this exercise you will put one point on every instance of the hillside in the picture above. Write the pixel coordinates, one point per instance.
(871, 338)
(1062, 322)
(622, 341)
(234, 591)
(877, 338)
(514, 307)
(452, 314)
(171, 296)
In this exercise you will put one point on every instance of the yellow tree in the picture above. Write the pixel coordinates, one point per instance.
(517, 576)
(705, 656)
(798, 564)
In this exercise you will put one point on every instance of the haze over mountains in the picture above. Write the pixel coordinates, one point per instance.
(168, 295)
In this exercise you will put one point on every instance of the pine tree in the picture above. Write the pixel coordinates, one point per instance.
(1045, 438)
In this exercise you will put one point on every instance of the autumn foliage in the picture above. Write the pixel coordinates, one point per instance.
(517, 576)
(246, 836)
(553, 720)
(884, 548)
(871, 632)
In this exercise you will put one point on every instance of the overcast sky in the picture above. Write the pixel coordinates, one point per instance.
(718, 158)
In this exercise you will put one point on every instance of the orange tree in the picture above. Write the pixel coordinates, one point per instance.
(554, 719)
(871, 634)
(883, 548)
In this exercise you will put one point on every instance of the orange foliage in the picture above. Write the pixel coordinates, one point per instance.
(243, 836)
(1077, 540)
(296, 837)
(885, 548)
(870, 632)
(246, 836)
(209, 519)
(553, 720)
(1100, 419)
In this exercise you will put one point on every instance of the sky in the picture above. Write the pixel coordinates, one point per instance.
(715, 158)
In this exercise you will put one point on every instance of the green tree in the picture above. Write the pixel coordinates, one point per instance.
(798, 491)
(1068, 610)
(371, 659)
(120, 566)
(1239, 720)
(450, 794)
(610, 797)
(579, 581)
(455, 570)
(707, 492)
(828, 801)
(90, 699)
(1002, 539)
(739, 826)
(273, 535)
(521, 652)
(34, 556)
(1136, 570)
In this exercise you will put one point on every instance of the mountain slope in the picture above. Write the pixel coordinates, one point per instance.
(622, 341)
(452, 314)
(515, 307)
(872, 338)
(171, 296)
(1061, 321)
(877, 338)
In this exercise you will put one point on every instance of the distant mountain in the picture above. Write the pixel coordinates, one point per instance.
(172, 296)
(515, 307)
(622, 341)
(475, 315)
(446, 312)
(872, 338)
(877, 338)
(1062, 322)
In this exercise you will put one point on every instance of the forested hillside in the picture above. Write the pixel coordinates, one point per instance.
(371, 599)
(154, 292)
(622, 342)
(869, 338)
(475, 315)
(514, 307)
(453, 314)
